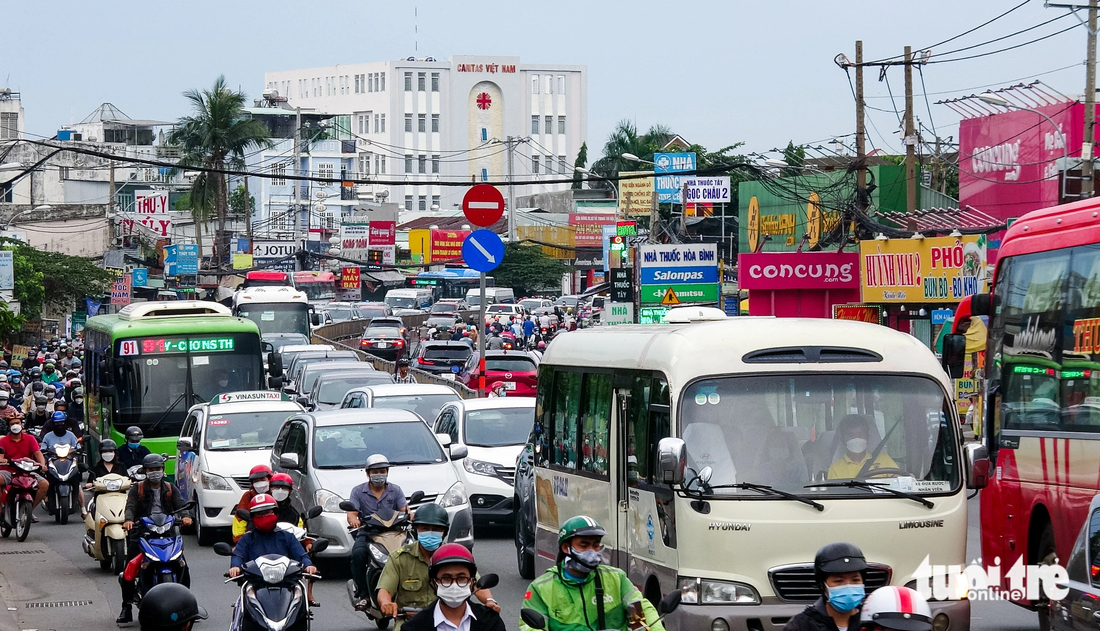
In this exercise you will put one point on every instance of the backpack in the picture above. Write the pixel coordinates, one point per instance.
(141, 490)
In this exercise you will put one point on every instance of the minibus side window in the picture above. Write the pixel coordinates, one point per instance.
(648, 423)
(543, 405)
(596, 423)
(660, 419)
(563, 448)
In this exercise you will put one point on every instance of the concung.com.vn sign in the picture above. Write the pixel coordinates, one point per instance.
(798, 270)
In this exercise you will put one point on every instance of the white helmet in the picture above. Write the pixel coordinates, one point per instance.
(898, 608)
(377, 461)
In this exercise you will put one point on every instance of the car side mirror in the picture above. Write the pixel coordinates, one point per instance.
(977, 460)
(275, 382)
(954, 355)
(347, 506)
(670, 603)
(289, 461)
(185, 444)
(671, 461)
(302, 401)
(315, 319)
(274, 364)
(444, 439)
(223, 549)
(416, 497)
(314, 512)
(458, 452)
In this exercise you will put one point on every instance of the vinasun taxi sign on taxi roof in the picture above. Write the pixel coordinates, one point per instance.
(242, 397)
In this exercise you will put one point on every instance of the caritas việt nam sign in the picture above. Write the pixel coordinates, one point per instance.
(798, 270)
(935, 269)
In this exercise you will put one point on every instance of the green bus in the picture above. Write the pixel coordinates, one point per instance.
(149, 363)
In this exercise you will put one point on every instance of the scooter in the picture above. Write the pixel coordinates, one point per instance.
(386, 536)
(273, 592)
(635, 618)
(162, 547)
(63, 473)
(104, 539)
(17, 499)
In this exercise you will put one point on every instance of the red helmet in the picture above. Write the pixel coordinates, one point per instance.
(262, 502)
(282, 479)
(451, 553)
(258, 472)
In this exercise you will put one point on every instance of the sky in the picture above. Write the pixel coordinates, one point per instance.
(717, 73)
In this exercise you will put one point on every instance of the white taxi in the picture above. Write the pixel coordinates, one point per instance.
(218, 445)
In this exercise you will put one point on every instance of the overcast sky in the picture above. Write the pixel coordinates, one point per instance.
(715, 72)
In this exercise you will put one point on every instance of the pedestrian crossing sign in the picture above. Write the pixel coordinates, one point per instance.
(670, 298)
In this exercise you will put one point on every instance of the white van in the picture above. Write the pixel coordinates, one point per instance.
(409, 299)
(496, 295)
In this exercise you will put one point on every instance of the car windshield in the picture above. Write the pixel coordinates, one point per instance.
(244, 430)
(281, 341)
(499, 427)
(313, 374)
(444, 308)
(402, 302)
(372, 311)
(531, 304)
(331, 389)
(279, 317)
(382, 331)
(426, 406)
(347, 446)
(340, 314)
(500, 309)
(447, 352)
(510, 364)
(791, 431)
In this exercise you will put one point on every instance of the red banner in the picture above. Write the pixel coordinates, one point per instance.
(349, 278)
(447, 245)
(859, 313)
(383, 233)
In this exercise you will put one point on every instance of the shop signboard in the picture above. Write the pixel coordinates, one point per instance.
(636, 192)
(941, 316)
(798, 270)
(618, 313)
(653, 315)
(859, 313)
(446, 245)
(187, 258)
(7, 270)
(622, 285)
(668, 185)
(708, 190)
(588, 228)
(120, 290)
(681, 273)
(930, 270)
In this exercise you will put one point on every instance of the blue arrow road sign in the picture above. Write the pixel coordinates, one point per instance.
(483, 250)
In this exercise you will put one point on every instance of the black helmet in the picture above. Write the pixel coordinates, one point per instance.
(36, 372)
(153, 461)
(402, 362)
(432, 515)
(38, 386)
(169, 606)
(837, 558)
(133, 434)
(40, 399)
(107, 445)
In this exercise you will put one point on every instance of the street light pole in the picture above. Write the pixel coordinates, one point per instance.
(994, 99)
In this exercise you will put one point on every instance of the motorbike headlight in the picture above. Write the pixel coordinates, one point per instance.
(702, 591)
(479, 467)
(455, 496)
(328, 501)
(214, 482)
(113, 485)
(380, 554)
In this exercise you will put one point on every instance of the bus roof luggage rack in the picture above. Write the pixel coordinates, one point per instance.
(172, 309)
(810, 355)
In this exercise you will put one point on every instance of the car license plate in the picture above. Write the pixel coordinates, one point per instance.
(383, 345)
(509, 385)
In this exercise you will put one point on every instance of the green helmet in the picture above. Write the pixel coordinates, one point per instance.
(431, 515)
(580, 526)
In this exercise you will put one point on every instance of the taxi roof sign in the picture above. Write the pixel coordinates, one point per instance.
(243, 397)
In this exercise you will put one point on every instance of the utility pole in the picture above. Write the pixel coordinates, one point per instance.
(297, 166)
(511, 195)
(861, 149)
(110, 199)
(910, 137)
(1090, 106)
(247, 212)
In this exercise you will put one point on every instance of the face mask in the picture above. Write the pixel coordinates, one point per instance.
(3, 403)
(579, 564)
(845, 598)
(280, 494)
(454, 595)
(133, 445)
(261, 487)
(265, 523)
(78, 400)
(15, 429)
(155, 476)
(108, 456)
(430, 540)
(856, 445)
(379, 479)
(40, 409)
(59, 431)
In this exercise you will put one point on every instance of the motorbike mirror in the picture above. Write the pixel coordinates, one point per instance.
(186, 507)
(243, 514)
(669, 603)
(319, 546)
(222, 548)
(416, 497)
(315, 512)
(347, 506)
(487, 581)
(532, 618)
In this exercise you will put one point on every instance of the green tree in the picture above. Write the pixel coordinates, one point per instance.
(625, 139)
(241, 203)
(217, 135)
(795, 157)
(527, 269)
(49, 278)
(581, 161)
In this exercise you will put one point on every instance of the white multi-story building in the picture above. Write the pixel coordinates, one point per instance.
(422, 121)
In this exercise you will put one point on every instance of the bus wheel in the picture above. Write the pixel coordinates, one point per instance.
(1047, 555)
(653, 591)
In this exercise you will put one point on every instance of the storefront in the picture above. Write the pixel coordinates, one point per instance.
(799, 284)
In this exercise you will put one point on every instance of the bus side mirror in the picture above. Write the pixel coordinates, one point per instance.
(981, 304)
(671, 460)
(954, 355)
(315, 319)
(274, 364)
(977, 461)
(108, 391)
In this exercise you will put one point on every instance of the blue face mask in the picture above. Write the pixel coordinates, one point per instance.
(133, 445)
(430, 540)
(845, 598)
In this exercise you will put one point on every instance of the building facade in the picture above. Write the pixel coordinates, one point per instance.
(416, 122)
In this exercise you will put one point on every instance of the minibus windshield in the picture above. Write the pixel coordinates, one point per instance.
(811, 433)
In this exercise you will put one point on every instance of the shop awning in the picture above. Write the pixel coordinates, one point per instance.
(595, 289)
(386, 277)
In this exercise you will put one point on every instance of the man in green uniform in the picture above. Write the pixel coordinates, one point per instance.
(565, 593)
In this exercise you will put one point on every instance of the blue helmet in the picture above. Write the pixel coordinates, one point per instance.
(58, 416)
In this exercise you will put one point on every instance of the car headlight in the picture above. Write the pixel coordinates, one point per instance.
(455, 496)
(479, 467)
(213, 482)
(328, 501)
(702, 591)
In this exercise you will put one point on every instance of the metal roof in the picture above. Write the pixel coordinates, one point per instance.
(941, 220)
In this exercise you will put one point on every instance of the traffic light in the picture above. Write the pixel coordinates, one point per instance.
(374, 257)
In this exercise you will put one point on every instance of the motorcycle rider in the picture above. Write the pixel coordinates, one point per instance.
(18, 444)
(34, 375)
(405, 580)
(377, 495)
(60, 417)
(896, 608)
(59, 434)
(264, 539)
(39, 413)
(152, 496)
(260, 477)
(49, 373)
(169, 607)
(451, 577)
(107, 463)
(281, 486)
(403, 375)
(838, 571)
(580, 567)
(8, 413)
(133, 452)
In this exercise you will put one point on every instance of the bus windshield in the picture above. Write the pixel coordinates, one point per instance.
(153, 381)
(317, 290)
(792, 431)
(278, 317)
(402, 302)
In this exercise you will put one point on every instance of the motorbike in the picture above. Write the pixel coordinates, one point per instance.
(104, 539)
(63, 473)
(386, 536)
(273, 590)
(162, 547)
(635, 618)
(17, 500)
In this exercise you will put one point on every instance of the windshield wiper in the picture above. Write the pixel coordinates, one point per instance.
(871, 486)
(766, 490)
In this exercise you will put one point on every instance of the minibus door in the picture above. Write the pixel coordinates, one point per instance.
(620, 471)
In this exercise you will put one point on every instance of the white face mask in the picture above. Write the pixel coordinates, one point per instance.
(261, 486)
(856, 445)
(15, 429)
(454, 595)
(108, 456)
(280, 494)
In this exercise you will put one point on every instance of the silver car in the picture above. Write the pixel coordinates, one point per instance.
(325, 451)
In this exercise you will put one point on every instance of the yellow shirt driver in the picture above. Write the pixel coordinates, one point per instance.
(854, 430)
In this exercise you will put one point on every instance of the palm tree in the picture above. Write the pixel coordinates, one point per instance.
(216, 136)
(625, 139)
(200, 201)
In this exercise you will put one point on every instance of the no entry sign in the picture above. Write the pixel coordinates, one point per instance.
(483, 205)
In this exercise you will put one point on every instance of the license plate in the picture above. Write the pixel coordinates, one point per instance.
(383, 345)
(509, 385)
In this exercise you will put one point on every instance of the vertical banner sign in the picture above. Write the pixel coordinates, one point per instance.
(382, 237)
(635, 193)
(7, 270)
(668, 185)
(350, 288)
(120, 290)
(187, 258)
(354, 241)
(141, 277)
(622, 285)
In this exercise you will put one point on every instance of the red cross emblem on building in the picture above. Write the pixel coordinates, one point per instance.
(484, 101)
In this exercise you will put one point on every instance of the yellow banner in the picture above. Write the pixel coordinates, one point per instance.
(935, 269)
(242, 261)
(636, 194)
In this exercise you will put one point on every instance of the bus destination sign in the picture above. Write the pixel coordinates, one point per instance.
(164, 345)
